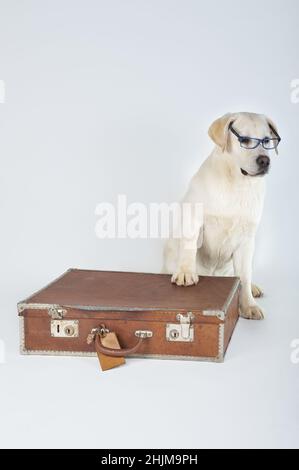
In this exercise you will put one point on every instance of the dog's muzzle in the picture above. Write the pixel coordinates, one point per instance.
(263, 163)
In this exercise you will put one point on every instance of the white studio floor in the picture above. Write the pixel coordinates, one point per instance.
(251, 400)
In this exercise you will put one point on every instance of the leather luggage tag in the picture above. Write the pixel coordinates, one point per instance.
(108, 362)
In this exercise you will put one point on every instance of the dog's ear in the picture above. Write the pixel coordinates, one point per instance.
(218, 131)
(272, 126)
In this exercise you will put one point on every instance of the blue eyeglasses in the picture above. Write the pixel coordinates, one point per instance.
(252, 143)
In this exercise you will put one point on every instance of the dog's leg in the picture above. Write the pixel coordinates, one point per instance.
(191, 224)
(242, 259)
(170, 255)
(185, 274)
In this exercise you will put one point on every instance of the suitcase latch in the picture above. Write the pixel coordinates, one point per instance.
(182, 331)
(56, 312)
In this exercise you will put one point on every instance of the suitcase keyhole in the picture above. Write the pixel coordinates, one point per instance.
(174, 334)
(69, 330)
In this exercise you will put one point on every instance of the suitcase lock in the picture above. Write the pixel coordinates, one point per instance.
(65, 328)
(182, 331)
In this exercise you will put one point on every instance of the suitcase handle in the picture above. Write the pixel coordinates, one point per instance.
(142, 335)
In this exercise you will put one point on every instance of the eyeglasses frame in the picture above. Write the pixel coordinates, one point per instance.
(260, 141)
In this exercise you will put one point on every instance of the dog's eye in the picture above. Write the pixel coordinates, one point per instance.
(248, 143)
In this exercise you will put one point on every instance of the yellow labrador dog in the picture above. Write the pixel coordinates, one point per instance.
(230, 184)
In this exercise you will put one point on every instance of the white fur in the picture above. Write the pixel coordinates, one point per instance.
(232, 204)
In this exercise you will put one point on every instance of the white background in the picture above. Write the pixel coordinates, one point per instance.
(115, 97)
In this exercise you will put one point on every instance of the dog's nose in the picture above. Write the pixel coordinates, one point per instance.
(263, 161)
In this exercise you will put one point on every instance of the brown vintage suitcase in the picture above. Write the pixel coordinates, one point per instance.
(151, 316)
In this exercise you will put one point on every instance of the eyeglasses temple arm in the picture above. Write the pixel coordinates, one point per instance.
(274, 132)
(233, 131)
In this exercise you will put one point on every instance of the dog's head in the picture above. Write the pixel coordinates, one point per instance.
(248, 138)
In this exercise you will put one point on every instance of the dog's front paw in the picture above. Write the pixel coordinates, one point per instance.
(252, 312)
(256, 291)
(184, 278)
